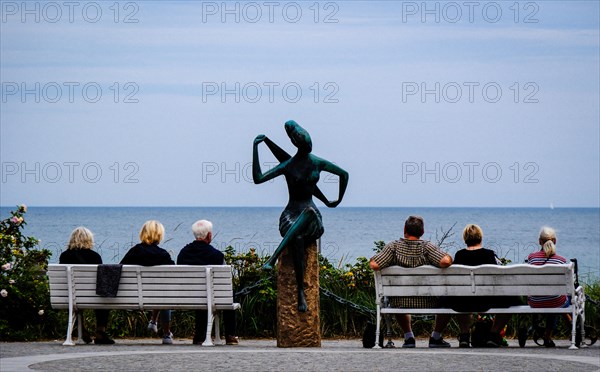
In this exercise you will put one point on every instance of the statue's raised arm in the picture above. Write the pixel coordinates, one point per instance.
(257, 174)
(343, 181)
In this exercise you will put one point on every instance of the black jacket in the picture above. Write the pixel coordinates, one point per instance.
(79, 256)
(200, 253)
(147, 255)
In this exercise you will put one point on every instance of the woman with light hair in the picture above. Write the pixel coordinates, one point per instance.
(79, 251)
(148, 253)
(474, 255)
(547, 255)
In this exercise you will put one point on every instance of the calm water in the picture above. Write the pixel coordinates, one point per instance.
(349, 232)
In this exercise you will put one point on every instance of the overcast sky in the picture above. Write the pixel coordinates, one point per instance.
(486, 104)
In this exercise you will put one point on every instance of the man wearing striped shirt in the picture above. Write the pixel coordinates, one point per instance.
(411, 251)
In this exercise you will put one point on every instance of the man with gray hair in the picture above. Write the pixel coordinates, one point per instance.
(200, 252)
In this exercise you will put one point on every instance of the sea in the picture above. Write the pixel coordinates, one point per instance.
(349, 232)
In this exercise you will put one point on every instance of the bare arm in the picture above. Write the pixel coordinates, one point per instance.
(445, 261)
(374, 265)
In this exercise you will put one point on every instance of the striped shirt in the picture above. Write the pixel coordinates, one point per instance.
(539, 259)
(410, 253)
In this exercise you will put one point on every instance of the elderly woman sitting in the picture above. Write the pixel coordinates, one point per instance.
(79, 251)
(547, 256)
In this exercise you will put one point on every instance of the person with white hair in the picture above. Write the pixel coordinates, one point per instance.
(547, 256)
(200, 252)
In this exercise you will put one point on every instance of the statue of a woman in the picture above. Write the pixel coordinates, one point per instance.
(300, 223)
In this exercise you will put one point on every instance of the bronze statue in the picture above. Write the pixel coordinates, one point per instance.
(300, 223)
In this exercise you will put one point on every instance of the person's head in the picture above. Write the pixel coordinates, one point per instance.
(548, 240)
(299, 136)
(414, 226)
(81, 238)
(472, 235)
(152, 232)
(202, 230)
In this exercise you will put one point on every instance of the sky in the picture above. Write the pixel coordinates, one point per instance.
(433, 104)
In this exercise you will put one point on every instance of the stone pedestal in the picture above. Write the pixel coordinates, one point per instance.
(296, 329)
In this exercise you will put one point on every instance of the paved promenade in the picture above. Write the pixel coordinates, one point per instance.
(263, 355)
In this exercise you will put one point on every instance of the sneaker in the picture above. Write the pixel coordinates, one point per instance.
(152, 326)
(231, 340)
(464, 340)
(103, 339)
(389, 345)
(494, 340)
(438, 343)
(409, 343)
(549, 343)
(168, 339)
(85, 336)
(522, 336)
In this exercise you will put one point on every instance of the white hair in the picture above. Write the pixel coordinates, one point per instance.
(201, 228)
(546, 235)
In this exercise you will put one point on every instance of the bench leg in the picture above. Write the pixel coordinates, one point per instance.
(581, 318)
(377, 326)
(69, 340)
(573, 329)
(209, 323)
(216, 324)
(80, 328)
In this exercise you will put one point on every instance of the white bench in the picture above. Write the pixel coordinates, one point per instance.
(483, 280)
(168, 287)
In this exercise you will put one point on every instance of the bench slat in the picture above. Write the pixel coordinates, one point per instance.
(481, 269)
(510, 310)
(479, 291)
(465, 280)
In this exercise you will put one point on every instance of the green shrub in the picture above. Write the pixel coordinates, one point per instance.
(25, 312)
(258, 313)
(592, 310)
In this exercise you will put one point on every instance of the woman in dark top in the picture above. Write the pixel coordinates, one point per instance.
(475, 255)
(148, 253)
(79, 251)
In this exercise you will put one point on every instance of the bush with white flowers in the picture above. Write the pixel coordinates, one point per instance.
(24, 293)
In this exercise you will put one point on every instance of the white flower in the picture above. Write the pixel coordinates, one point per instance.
(11, 281)
(41, 312)
(6, 266)
(3, 293)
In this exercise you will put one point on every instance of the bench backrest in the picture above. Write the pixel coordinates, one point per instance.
(483, 280)
(152, 287)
